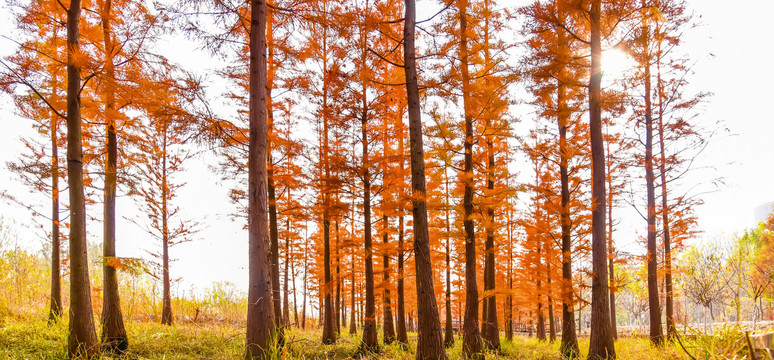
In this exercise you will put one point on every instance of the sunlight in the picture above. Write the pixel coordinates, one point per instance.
(615, 64)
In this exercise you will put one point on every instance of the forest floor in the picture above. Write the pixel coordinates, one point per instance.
(35, 339)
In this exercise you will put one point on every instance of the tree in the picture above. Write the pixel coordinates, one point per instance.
(645, 59)
(471, 336)
(260, 312)
(37, 65)
(83, 338)
(429, 341)
(160, 156)
(601, 343)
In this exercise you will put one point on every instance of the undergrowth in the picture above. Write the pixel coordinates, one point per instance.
(34, 338)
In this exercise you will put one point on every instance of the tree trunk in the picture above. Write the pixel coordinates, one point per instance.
(55, 310)
(166, 307)
(601, 340)
(295, 295)
(285, 304)
(492, 334)
(113, 333)
(670, 318)
(352, 317)
(654, 308)
(610, 248)
(273, 227)
(306, 271)
(82, 341)
(388, 327)
(541, 320)
(449, 334)
(569, 346)
(471, 337)
(338, 311)
(429, 339)
(329, 335)
(370, 341)
(260, 309)
(402, 337)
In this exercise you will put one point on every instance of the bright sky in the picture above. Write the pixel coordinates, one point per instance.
(733, 53)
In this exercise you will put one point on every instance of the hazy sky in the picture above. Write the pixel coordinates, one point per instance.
(733, 51)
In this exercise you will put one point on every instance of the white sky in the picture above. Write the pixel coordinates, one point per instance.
(733, 53)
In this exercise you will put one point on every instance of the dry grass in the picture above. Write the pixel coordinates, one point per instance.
(32, 338)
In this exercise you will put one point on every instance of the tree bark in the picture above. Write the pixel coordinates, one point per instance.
(338, 312)
(601, 340)
(569, 346)
(492, 334)
(670, 319)
(370, 341)
(654, 308)
(286, 301)
(402, 336)
(329, 335)
(260, 309)
(273, 227)
(55, 310)
(353, 313)
(449, 334)
(610, 248)
(388, 327)
(166, 307)
(82, 341)
(113, 333)
(472, 344)
(429, 339)
(400, 328)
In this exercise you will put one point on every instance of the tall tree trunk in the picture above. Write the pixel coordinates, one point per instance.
(329, 335)
(551, 326)
(656, 335)
(338, 311)
(541, 320)
(295, 295)
(55, 310)
(370, 341)
(388, 327)
(402, 336)
(166, 307)
(273, 227)
(509, 298)
(601, 341)
(569, 345)
(492, 334)
(353, 313)
(449, 334)
(610, 248)
(429, 339)
(82, 340)
(260, 309)
(670, 318)
(306, 271)
(471, 337)
(113, 333)
(285, 303)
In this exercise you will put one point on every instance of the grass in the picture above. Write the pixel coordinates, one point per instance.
(33, 338)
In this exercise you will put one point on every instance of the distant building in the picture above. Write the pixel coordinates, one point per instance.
(762, 211)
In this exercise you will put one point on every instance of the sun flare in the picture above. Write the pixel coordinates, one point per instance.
(615, 63)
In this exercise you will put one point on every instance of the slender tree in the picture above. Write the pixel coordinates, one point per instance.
(429, 340)
(260, 312)
(82, 341)
(601, 342)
